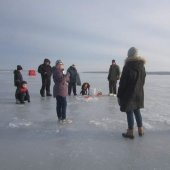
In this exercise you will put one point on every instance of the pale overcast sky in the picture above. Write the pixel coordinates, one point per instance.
(88, 33)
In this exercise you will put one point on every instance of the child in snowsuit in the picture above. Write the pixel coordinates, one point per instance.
(85, 89)
(22, 93)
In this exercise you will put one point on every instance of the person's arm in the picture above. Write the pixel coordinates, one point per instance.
(108, 77)
(118, 72)
(123, 83)
(40, 69)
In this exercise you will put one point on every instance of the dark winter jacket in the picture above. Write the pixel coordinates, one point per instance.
(114, 72)
(130, 92)
(45, 70)
(61, 86)
(17, 78)
(73, 74)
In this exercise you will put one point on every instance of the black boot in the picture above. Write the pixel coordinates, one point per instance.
(48, 94)
(42, 93)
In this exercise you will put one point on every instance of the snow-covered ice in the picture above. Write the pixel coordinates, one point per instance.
(32, 138)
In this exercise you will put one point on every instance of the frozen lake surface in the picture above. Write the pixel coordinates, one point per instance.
(32, 139)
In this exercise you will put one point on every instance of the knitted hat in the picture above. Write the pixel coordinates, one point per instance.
(46, 60)
(19, 67)
(58, 62)
(133, 52)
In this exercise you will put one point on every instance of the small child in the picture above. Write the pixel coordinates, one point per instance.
(85, 89)
(22, 93)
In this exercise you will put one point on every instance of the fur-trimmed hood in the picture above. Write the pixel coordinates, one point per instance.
(135, 59)
(135, 63)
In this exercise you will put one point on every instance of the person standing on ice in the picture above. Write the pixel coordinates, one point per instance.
(60, 89)
(74, 79)
(130, 91)
(113, 76)
(46, 71)
(17, 79)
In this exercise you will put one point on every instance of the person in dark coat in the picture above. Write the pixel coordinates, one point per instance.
(60, 89)
(18, 76)
(46, 71)
(131, 93)
(17, 79)
(22, 93)
(73, 79)
(113, 76)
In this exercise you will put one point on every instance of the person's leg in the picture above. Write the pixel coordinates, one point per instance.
(138, 118)
(48, 83)
(22, 97)
(17, 96)
(64, 107)
(74, 89)
(42, 90)
(59, 107)
(27, 97)
(114, 87)
(16, 93)
(130, 121)
(110, 87)
(69, 89)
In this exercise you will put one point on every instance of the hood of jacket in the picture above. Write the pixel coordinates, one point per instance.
(135, 62)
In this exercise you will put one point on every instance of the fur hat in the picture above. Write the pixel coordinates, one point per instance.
(133, 52)
(19, 67)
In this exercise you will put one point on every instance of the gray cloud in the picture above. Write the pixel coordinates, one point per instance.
(83, 32)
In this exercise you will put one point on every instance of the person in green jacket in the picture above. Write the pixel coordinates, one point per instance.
(113, 76)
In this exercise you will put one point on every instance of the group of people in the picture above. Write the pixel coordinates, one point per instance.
(46, 72)
(65, 84)
(130, 93)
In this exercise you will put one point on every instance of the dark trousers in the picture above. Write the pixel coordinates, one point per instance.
(61, 107)
(112, 86)
(70, 87)
(16, 93)
(22, 96)
(130, 118)
(46, 82)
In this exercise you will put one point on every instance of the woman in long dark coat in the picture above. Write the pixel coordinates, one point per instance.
(131, 92)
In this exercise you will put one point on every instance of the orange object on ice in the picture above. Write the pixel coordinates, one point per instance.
(31, 72)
